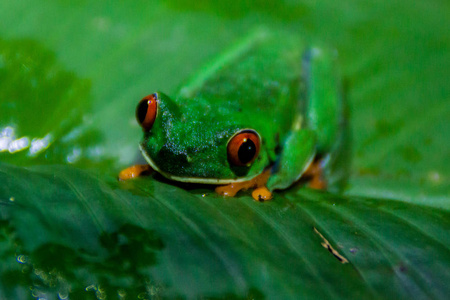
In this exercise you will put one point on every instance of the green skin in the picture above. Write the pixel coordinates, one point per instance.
(270, 83)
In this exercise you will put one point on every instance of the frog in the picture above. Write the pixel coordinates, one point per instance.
(261, 115)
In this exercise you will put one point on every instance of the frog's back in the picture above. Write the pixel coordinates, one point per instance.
(259, 80)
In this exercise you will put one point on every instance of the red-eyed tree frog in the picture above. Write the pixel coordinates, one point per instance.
(259, 116)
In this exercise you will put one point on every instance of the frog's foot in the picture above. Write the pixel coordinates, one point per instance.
(314, 174)
(260, 192)
(134, 171)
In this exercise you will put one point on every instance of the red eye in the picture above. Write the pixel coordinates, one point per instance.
(146, 112)
(243, 148)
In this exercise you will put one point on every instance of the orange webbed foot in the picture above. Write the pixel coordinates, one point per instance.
(134, 171)
(260, 192)
(314, 174)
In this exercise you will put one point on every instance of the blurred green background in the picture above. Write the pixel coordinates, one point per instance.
(70, 77)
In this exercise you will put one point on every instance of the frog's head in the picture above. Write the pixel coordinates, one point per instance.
(194, 143)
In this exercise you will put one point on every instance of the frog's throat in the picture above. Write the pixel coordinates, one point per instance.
(192, 179)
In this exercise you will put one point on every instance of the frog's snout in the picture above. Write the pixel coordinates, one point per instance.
(186, 163)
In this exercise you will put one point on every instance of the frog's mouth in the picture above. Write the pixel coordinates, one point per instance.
(192, 179)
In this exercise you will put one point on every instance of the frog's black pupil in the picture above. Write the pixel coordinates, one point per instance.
(246, 151)
(142, 110)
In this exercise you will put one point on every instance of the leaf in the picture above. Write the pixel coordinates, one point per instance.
(70, 77)
(142, 235)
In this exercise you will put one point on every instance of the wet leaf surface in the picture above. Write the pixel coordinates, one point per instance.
(142, 235)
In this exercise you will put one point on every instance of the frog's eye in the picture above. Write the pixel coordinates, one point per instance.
(146, 112)
(243, 148)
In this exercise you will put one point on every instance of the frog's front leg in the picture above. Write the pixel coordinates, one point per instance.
(298, 153)
(134, 171)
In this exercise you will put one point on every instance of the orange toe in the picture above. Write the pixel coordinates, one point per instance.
(133, 171)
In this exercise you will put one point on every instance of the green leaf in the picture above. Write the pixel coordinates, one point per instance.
(70, 77)
(146, 235)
